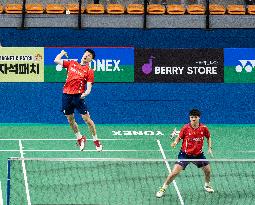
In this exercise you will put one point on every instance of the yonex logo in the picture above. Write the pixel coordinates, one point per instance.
(106, 65)
(246, 65)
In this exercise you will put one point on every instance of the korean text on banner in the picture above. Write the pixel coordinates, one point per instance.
(21, 64)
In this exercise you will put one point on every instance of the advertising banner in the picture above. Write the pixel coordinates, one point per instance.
(179, 65)
(239, 65)
(21, 64)
(110, 64)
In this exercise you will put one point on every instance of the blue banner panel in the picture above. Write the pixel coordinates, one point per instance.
(239, 65)
(110, 64)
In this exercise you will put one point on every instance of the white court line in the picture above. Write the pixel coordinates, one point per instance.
(169, 170)
(13, 150)
(43, 139)
(31, 150)
(91, 150)
(24, 172)
(1, 195)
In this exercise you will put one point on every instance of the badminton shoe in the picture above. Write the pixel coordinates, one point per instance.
(208, 188)
(99, 146)
(81, 142)
(160, 193)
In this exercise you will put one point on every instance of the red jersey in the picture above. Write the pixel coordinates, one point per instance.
(77, 77)
(193, 139)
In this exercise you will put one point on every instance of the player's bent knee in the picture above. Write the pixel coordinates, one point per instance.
(90, 123)
(70, 119)
(87, 119)
(72, 123)
(207, 169)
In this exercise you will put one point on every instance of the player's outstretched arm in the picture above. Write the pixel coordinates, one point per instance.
(59, 56)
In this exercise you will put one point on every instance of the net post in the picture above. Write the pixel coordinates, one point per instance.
(8, 181)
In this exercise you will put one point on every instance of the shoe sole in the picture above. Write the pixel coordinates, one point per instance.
(100, 149)
(160, 196)
(209, 191)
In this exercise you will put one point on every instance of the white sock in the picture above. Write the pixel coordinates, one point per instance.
(94, 137)
(164, 186)
(207, 184)
(78, 135)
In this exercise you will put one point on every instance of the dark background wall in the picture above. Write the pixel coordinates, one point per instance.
(139, 38)
(131, 102)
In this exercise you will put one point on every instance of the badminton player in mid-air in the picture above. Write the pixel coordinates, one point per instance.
(79, 76)
(192, 136)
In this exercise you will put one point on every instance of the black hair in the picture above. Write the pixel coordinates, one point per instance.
(92, 52)
(194, 112)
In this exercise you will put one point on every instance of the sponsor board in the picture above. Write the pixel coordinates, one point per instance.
(239, 65)
(179, 65)
(110, 64)
(21, 64)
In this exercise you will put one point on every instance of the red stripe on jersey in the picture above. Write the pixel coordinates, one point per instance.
(77, 77)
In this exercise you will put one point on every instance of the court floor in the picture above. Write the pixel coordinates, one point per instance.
(125, 142)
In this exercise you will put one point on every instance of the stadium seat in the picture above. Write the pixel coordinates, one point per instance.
(236, 9)
(156, 9)
(34, 8)
(74, 8)
(1, 9)
(197, 9)
(95, 8)
(135, 9)
(175, 9)
(13, 8)
(251, 9)
(217, 9)
(115, 9)
(55, 9)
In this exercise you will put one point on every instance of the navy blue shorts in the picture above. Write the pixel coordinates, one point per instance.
(71, 102)
(184, 164)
